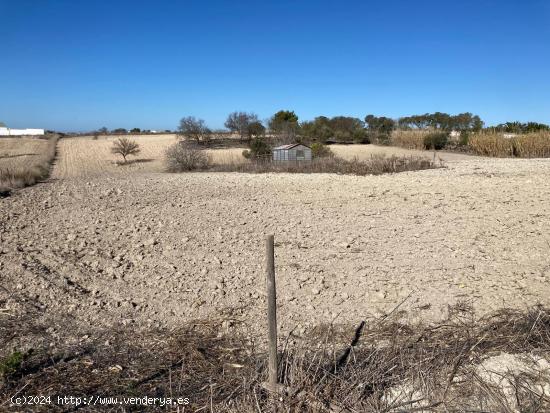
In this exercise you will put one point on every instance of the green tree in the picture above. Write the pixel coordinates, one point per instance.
(442, 121)
(341, 128)
(346, 127)
(379, 128)
(284, 124)
(119, 131)
(477, 123)
(535, 127)
(380, 125)
(317, 130)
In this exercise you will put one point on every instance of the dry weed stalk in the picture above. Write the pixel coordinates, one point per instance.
(392, 367)
(376, 165)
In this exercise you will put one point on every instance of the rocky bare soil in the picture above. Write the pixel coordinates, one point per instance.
(155, 249)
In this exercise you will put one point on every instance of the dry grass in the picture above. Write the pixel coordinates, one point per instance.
(226, 156)
(375, 165)
(531, 145)
(25, 161)
(410, 139)
(380, 366)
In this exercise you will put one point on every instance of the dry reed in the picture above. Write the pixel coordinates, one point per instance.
(409, 139)
(531, 145)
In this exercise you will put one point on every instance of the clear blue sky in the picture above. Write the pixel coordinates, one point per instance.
(81, 65)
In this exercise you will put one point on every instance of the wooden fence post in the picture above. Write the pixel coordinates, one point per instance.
(271, 312)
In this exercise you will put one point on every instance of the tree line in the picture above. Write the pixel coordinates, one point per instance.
(285, 126)
(124, 131)
(518, 127)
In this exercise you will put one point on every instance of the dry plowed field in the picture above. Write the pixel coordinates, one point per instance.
(107, 244)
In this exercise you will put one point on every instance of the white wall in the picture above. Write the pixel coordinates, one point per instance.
(19, 132)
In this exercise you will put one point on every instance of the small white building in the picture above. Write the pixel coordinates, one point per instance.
(5, 131)
(294, 152)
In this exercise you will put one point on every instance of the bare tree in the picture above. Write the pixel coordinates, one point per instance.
(125, 147)
(239, 122)
(194, 129)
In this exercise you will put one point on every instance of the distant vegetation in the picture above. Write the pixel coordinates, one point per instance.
(464, 132)
(442, 121)
(518, 127)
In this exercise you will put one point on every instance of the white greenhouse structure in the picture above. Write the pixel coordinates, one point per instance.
(5, 131)
(294, 152)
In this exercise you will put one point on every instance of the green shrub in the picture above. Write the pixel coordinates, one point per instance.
(11, 364)
(436, 140)
(258, 148)
(318, 150)
(464, 138)
(360, 136)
